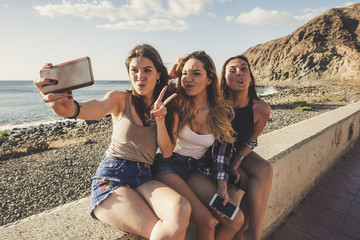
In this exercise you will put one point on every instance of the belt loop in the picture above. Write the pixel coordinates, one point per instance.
(189, 160)
(142, 165)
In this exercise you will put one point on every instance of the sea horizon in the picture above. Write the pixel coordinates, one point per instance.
(21, 106)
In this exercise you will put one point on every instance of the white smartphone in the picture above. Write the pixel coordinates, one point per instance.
(70, 75)
(229, 210)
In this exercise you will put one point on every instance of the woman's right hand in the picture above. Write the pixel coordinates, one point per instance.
(61, 104)
(234, 171)
(222, 191)
(176, 68)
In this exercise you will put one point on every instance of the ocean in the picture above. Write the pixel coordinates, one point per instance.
(21, 106)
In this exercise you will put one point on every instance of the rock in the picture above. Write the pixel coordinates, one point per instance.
(326, 49)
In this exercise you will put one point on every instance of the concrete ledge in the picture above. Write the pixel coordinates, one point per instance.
(69, 221)
(301, 154)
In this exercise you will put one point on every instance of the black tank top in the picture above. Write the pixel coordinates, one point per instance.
(243, 123)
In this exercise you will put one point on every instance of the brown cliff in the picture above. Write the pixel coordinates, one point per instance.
(326, 49)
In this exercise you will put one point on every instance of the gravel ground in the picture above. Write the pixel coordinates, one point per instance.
(40, 170)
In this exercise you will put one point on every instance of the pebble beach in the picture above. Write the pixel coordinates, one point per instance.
(49, 165)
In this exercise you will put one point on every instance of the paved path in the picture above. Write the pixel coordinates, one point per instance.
(332, 210)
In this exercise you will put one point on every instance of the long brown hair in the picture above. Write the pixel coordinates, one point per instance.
(224, 89)
(141, 108)
(220, 111)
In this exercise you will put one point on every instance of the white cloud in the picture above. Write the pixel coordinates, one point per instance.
(184, 8)
(84, 10)
(348, 3)
(210, 14)
(146, 26)
(261, 16)
(133, 13)
(139, 8)
(315, 11)
(224, 1)
(229, 18)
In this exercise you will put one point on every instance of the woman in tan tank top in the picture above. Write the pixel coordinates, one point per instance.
(123, 194)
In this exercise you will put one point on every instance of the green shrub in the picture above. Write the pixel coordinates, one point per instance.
(301, 103)
(303, 108)
(283, 103)
(339, 99)
(324, 99)
(331, 98)
(3, 133)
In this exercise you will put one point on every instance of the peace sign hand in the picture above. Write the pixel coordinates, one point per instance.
(159, 111)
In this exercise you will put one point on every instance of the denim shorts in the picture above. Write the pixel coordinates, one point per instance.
(113, 173)
(185, 167)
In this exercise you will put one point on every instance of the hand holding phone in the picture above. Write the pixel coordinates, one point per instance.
(229, 210)
(69, 75)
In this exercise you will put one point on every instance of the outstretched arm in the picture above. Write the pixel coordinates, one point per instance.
(63, 104)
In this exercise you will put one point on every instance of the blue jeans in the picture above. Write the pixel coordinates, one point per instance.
(185, 167)
(113, 173)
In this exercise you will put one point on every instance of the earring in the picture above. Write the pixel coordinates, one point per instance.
(158, 81)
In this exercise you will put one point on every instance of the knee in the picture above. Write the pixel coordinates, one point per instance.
(267, 172)
(207, 226)
(237, 223)
(181, 213)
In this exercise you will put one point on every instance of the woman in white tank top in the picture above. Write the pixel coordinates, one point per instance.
(204, 117)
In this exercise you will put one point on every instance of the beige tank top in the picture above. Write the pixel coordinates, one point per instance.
(130, 140)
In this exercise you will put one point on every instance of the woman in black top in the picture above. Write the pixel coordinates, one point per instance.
(248, 171)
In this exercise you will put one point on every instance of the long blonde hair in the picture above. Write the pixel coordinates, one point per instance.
(220, 110)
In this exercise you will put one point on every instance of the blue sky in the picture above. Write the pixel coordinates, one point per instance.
(39, 31)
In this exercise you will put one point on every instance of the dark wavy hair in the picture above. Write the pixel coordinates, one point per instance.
(141, 108)
(224, 89)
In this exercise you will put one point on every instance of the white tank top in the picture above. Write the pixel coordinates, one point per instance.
(191, 144)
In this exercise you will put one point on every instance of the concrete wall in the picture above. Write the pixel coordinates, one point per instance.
(301, 154)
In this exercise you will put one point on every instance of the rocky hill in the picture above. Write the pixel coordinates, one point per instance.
(326, 49)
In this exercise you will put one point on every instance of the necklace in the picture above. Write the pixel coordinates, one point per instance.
(148, 117)
(200, 109)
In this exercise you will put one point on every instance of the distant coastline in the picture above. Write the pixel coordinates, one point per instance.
(21, 105)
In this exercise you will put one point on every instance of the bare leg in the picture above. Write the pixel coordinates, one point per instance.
(257, 189)
(128, 210)
(200, 214)
(205, 188)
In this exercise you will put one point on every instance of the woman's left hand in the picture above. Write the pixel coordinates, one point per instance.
(159, 111)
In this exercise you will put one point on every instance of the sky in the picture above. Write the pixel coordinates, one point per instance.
(36, 32)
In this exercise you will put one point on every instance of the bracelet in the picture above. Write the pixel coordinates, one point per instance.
(77, 105)
(251, 144)
(241, 158)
